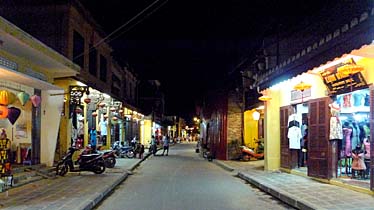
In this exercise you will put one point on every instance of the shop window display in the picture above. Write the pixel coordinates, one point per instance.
(354, 154)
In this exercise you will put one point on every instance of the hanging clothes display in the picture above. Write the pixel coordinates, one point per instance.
(336, 131)
(294, 131)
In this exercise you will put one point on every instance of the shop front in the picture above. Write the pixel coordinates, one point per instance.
(321, 120)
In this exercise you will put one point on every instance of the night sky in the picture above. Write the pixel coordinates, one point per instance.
(192, 45)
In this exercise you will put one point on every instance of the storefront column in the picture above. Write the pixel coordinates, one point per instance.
(272, 132)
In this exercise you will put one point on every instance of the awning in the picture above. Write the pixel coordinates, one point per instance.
(23, 79)
(357, 41)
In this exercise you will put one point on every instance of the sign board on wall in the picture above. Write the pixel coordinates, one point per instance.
(339, 83)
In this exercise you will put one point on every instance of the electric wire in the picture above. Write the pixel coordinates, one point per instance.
(124, 25)
(139, 21)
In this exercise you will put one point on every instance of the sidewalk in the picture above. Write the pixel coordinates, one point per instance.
(298, 191)
(73, 191)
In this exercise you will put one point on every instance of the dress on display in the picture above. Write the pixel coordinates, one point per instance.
(348, 144)
(358, 160)
(336, 131)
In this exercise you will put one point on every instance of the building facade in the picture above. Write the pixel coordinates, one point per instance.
(324, 85)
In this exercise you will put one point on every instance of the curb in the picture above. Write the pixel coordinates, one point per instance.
(281, 195)
(224, 166)
(93, 203)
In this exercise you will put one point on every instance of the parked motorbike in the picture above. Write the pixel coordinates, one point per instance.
(108, 155)
(247, 153)
(122, 151)
(86, 162)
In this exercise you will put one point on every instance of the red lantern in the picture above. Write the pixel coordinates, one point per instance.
(94, 114)
(3, 111)
(112, 109)
(105, 116)
(114, 118)
(87, 100)
(120, 111)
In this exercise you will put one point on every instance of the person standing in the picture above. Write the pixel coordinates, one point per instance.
(166, 145)
(93, 138)
(104, 130)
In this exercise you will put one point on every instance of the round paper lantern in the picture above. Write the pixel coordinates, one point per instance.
(114, 118)
(35, 99)
(112, 109)
(6, 97)
(13, 114)
(105, 116)
(23, 97)
(94, 114)
(3, 111)
(87, 100)
(120, 111)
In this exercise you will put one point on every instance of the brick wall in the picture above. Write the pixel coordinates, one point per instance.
(234, 124)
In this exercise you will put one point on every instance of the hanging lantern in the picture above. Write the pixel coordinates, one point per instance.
(35, 100)
(87, 100)
(264, 98)
(94, 114)
(114, 118)
(3, 111)
(256, 115)
(6, 97)
(112, 109)
(13, 114)
(120, 111)
(350, 69)
(302, 86)
(105, 116)
(102, 104)
(23, 97)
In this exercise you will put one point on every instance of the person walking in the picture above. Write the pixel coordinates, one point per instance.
(93, 138)
(141, 151)
(166, 145)
(153, 147)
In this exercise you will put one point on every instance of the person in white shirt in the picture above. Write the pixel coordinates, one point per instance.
(103, 130)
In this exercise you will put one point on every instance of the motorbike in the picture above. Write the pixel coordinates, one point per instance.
(86, 162)
(247, 153)
(122, 151)
(108, 155)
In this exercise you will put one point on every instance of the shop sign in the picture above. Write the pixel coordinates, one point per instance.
(339, 83)
(297, 94)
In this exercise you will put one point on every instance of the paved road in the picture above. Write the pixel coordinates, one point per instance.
(183, 180)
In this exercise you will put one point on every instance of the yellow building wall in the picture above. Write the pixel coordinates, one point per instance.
(250, 129)
(272, 132)
(147, 126)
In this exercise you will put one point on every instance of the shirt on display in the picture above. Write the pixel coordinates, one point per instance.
(294, 136)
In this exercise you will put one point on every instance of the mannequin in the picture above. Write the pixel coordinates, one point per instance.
(358, 164)
(336, 132)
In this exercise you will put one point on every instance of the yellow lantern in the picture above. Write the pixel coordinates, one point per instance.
(264, 98)
(6, 97)
(301, 87)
